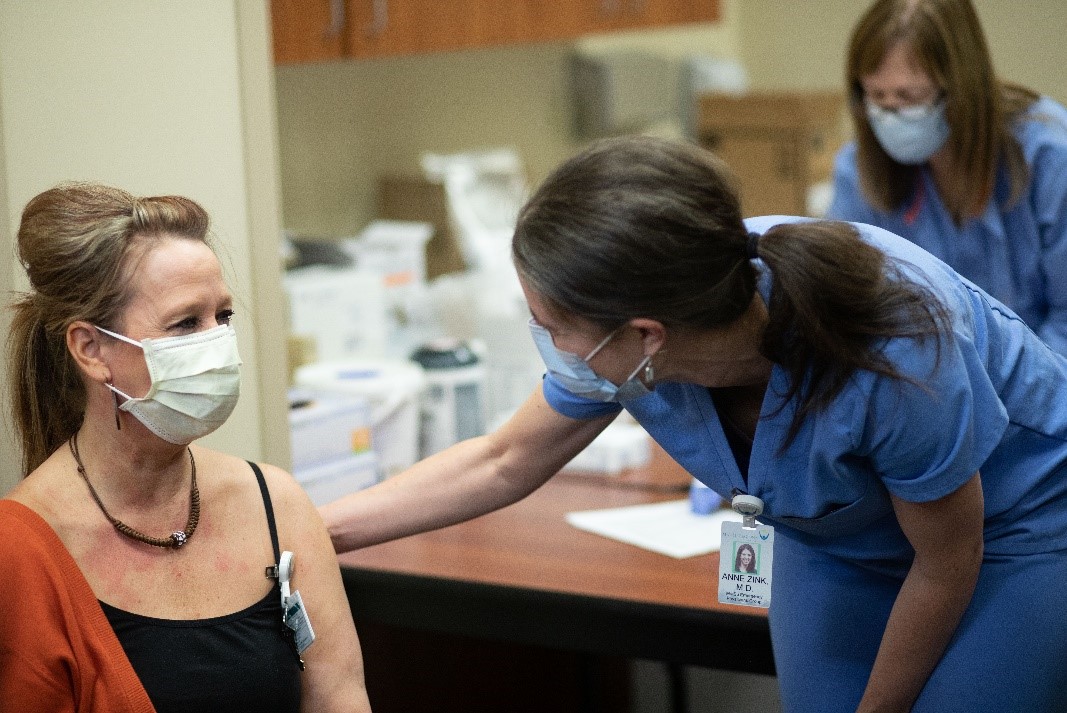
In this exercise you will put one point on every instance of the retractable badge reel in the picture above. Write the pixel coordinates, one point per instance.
(746, 556)
(297, 624)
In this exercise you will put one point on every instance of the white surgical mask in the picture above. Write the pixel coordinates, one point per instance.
(910, 135)
(575, 374)
(196, 380)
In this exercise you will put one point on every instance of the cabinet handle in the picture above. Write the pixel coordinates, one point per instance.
(609, 7)
(637, 6)
(337, 19)
(380, 19)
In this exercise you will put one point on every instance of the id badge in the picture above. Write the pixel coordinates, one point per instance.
(296, 618)
(745, 562)
(746, 557)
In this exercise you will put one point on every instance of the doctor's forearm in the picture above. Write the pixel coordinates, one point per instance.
(455, 485)
(926, 614)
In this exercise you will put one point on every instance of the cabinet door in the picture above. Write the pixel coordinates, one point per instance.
(311, 30)
(308, 30)
(379, 28)
(615, 15)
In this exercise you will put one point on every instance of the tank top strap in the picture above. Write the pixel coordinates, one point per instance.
(269, 509)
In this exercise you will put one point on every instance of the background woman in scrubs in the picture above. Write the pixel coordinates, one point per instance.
(972, 169)
(906, 433)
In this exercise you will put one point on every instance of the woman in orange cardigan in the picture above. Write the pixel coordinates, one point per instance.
(134, 559)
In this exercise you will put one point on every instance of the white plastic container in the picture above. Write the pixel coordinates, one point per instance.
(453, 402)
(392, 387)
(395, 249)
(326, 481)
(327, 426)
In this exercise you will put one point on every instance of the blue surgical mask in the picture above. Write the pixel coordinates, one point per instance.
(910, 135)
(575, 374)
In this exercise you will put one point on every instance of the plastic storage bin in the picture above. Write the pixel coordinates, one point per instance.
(325, 426)
(327, 481)
(392, 387)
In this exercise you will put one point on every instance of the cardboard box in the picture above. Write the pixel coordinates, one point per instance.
(413, 198)
(779, 145)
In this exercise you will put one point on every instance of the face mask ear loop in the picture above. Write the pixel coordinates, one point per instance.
(604, 343)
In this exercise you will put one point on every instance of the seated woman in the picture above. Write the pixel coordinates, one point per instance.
(143, 567)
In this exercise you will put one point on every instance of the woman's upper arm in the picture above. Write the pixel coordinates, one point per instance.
(928, 433)
(947, 533)
(333, 677)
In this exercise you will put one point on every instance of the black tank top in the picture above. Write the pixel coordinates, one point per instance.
(239, 662)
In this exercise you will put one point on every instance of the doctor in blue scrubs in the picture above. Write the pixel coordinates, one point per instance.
(905, 432)
(972, 169)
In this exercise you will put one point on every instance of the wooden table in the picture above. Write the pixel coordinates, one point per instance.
(523, 575)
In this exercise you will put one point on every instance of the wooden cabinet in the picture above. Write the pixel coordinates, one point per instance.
(778, 144)
(319, 30)
(309, 30)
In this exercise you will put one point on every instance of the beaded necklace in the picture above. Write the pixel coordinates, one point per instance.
(176, 539)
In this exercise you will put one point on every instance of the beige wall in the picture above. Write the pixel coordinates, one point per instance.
(158, 97)
(801, 45)
(344, 123)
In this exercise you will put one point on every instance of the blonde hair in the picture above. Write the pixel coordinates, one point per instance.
(946, 40)
(79, 244)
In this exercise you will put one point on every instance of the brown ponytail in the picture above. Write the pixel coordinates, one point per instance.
(834, 298)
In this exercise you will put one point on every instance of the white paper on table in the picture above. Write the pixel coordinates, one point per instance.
(668, 528)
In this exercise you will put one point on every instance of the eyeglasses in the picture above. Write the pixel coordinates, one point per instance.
(913, 112)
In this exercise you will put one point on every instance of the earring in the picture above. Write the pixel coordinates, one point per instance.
(650, 373)
(115, 398)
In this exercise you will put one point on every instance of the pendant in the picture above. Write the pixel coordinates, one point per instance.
(179, 538)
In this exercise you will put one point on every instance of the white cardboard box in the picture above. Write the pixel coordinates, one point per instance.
(344, 311)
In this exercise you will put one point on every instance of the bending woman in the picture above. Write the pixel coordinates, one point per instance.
(906, 434)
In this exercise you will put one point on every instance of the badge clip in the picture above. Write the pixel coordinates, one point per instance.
(748, 507)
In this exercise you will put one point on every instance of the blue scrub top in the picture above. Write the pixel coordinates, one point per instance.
(1018, 254)
(994, 400)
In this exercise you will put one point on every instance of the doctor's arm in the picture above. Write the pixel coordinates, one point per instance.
(947, 535)
(464, 481)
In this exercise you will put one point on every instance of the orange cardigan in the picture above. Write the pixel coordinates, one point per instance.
(58, 653)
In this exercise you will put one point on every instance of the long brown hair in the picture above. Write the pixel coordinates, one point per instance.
(79, 244)
(946, 41)
(644, 227)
